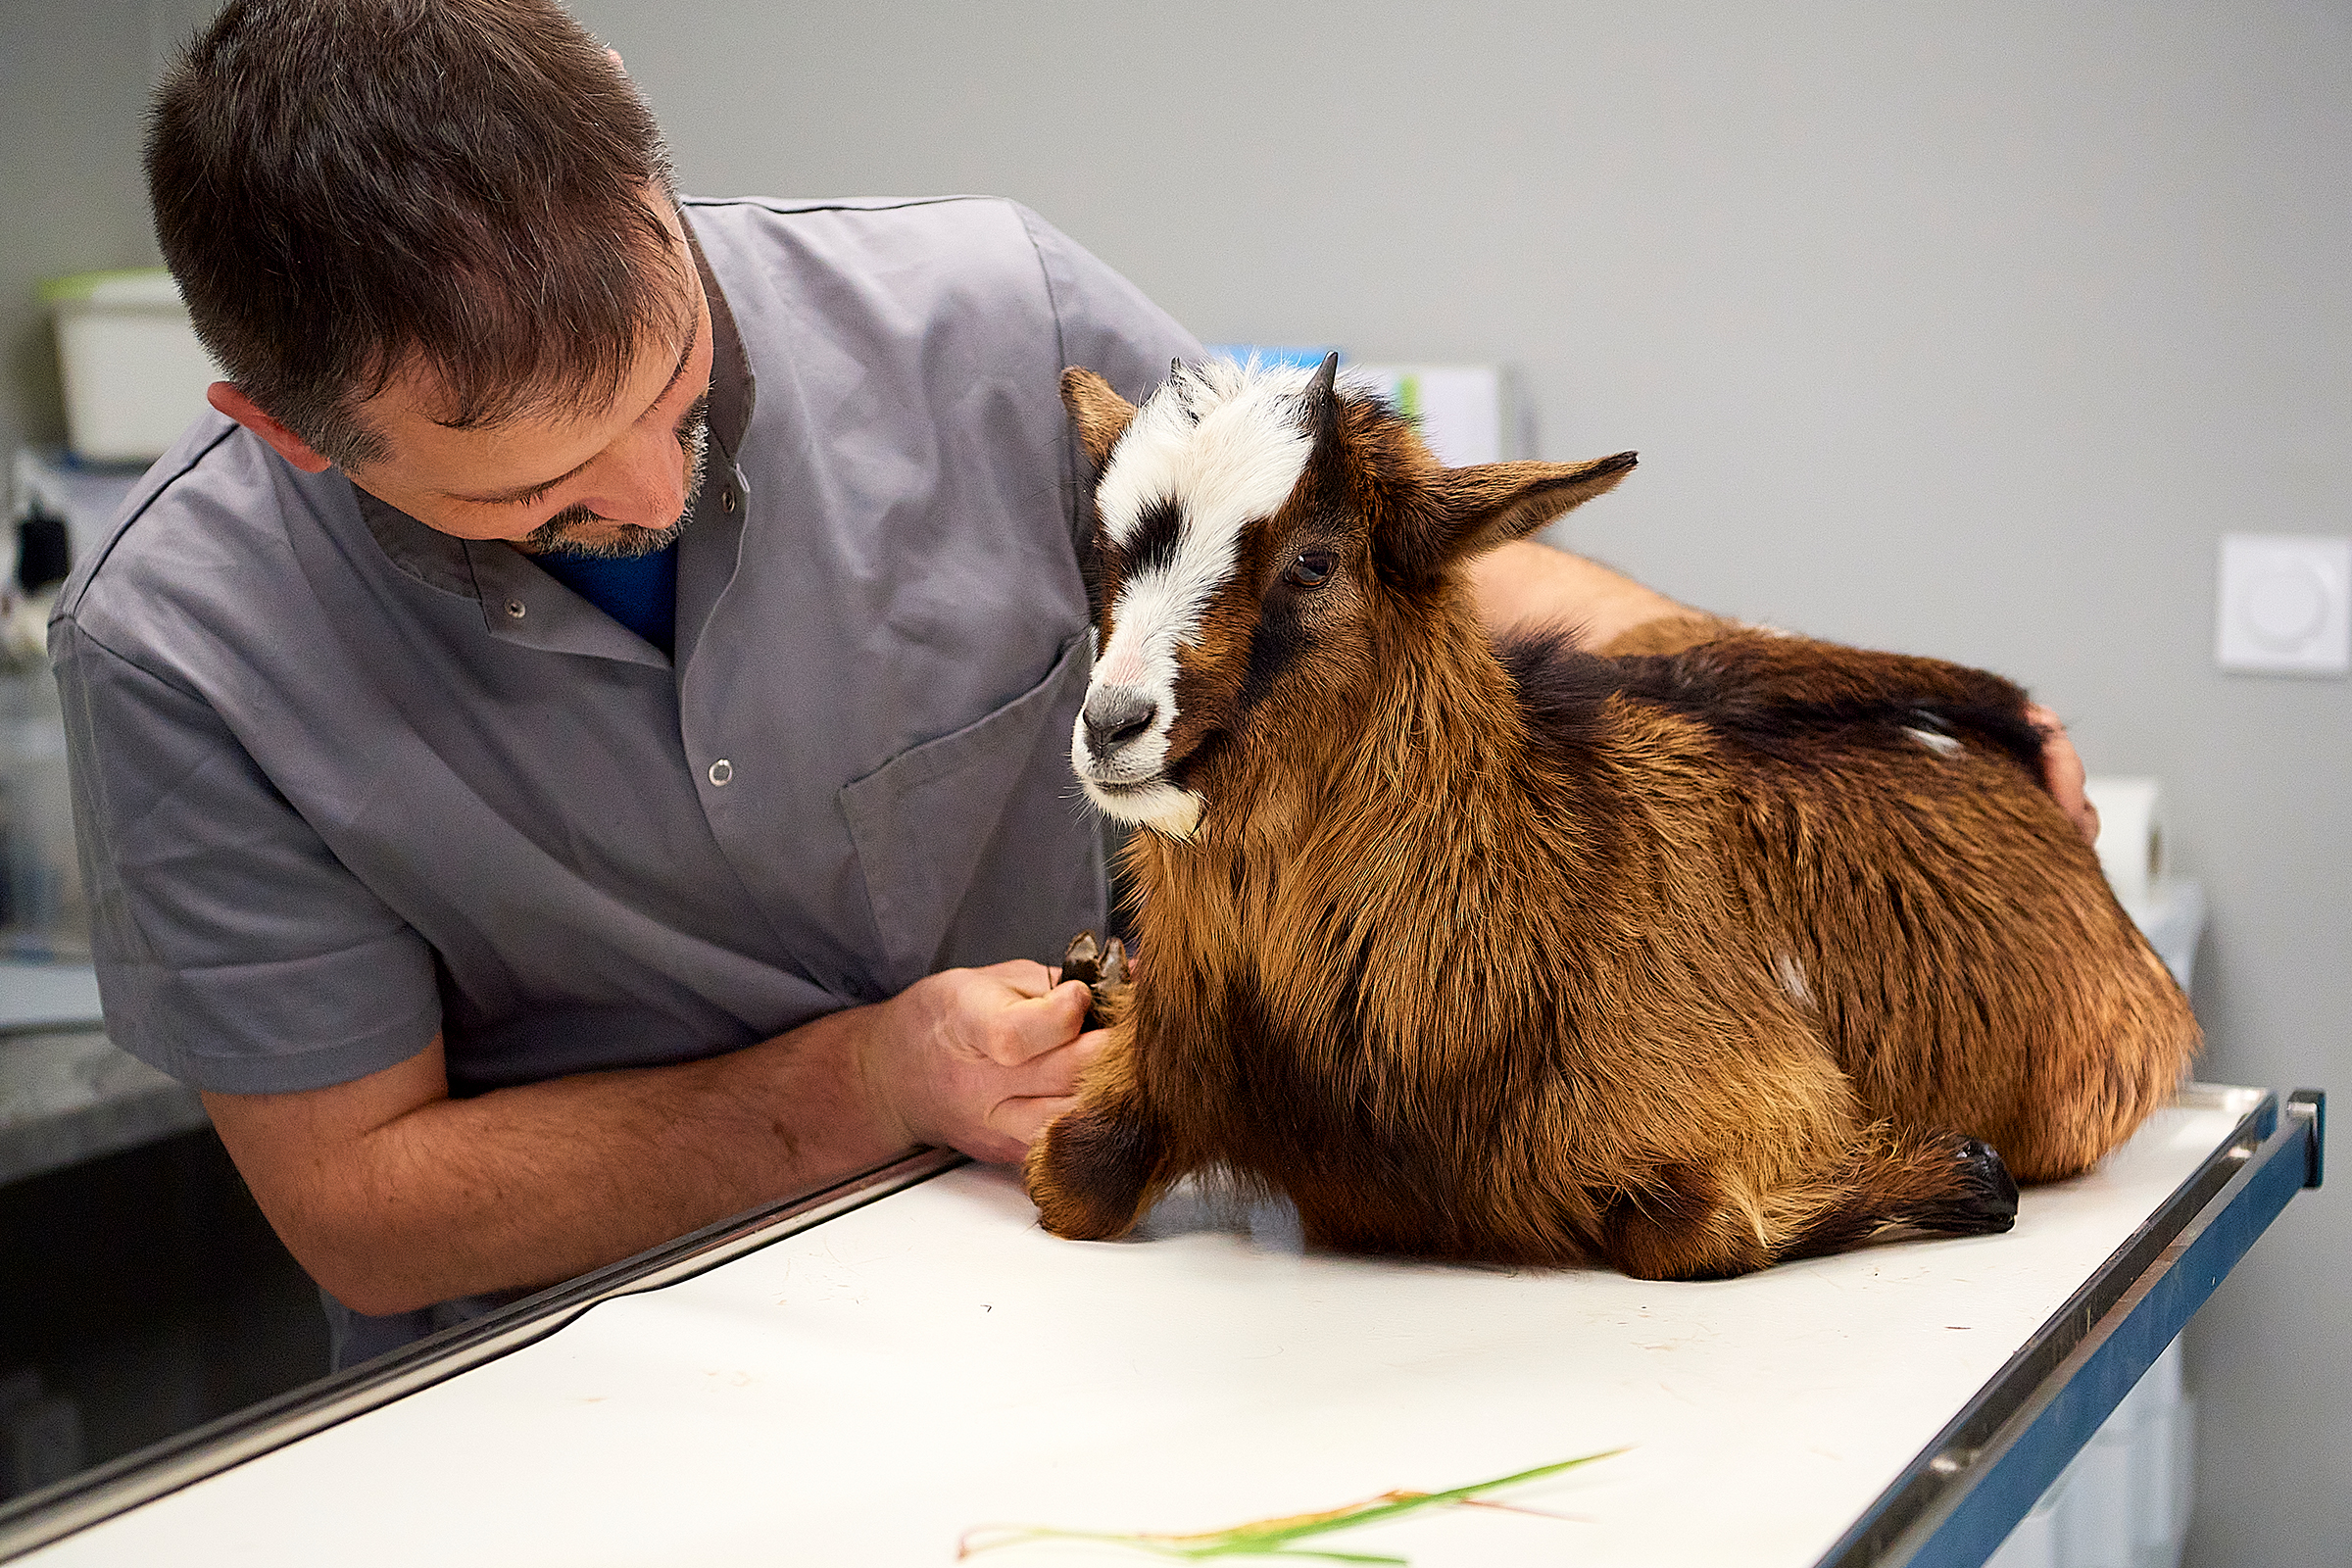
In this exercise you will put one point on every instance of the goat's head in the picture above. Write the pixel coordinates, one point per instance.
(1254, 529)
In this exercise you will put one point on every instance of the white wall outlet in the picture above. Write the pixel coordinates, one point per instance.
(2286, 603)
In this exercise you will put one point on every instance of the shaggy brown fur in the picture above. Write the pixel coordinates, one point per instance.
(1725, 948)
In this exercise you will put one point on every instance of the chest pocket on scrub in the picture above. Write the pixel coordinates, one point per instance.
(974, 847)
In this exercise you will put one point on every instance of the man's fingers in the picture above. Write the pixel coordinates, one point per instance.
(1031, 1027)
(1020, 1120)
(1052, 1072)
(1024, 975)
(2062, 772)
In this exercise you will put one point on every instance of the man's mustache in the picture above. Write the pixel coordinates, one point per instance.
(694, 437)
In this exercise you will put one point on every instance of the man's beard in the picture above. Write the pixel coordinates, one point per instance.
(562, 534)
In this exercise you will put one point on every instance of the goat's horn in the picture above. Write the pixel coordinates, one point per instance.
(1328, 374)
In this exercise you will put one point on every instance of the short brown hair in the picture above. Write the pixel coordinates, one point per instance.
(348, 189)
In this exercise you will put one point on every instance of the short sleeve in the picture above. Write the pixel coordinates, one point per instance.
(233, 950)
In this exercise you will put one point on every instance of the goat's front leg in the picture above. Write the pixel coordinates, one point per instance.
(1095, 1167)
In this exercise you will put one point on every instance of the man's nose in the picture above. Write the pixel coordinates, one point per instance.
(648, 483)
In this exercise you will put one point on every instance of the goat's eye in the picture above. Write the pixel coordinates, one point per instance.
(1311, 569)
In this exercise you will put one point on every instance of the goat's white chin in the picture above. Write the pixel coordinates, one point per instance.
(1161, 808)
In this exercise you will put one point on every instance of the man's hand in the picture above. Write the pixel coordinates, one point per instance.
(979, 1059)
(2062, 772)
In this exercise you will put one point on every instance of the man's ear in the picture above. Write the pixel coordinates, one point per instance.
(1494, 503)
(230, 400)
(1100, 413)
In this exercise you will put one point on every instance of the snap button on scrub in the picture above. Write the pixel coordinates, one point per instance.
(721, 771)
(515, 607)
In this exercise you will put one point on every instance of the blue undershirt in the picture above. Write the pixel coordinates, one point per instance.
(641, 592)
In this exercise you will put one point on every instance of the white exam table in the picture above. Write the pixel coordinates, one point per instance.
(864, 1376)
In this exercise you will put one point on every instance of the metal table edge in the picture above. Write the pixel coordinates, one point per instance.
(1955, 1503)
(45, 1517)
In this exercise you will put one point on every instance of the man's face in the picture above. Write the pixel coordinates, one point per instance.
(615, 484)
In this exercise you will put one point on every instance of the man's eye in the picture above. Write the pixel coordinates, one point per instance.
(1312, 570)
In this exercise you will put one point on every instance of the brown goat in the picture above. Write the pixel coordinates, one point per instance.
(1728, 948)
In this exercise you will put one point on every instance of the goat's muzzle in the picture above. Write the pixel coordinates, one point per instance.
(1119, 752)
(1114, 719)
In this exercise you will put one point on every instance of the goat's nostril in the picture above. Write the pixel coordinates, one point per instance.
(1115, 717)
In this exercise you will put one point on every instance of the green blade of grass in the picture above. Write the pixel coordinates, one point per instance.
(1272, 1538)
(1378, 1509)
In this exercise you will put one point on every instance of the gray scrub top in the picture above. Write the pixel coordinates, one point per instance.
(343, 781)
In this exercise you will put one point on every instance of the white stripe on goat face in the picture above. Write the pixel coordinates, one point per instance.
(1226, 447)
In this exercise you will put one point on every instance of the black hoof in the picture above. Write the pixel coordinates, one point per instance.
(1102, 967)
(1985, 1203)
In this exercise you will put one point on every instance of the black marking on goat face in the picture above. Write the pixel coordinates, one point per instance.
(1299, 576)
(1153, 541)
(1110, 564)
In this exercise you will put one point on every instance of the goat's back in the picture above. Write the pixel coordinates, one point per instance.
(1920, 894)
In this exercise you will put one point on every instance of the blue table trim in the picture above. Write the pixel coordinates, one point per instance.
(1955, 1504)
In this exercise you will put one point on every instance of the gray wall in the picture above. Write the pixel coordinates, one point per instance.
(74, 82)
(1956, 329)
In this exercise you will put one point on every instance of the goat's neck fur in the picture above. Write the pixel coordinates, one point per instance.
(1417, 813)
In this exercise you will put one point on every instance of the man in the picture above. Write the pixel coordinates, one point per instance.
(576, 749)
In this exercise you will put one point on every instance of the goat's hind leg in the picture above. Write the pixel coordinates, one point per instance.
(1692, 1222)
(1902, 1179)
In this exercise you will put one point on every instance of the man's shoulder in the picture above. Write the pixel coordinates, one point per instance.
(975, 280)
(203, 538)
(901, 219)
(835, 252)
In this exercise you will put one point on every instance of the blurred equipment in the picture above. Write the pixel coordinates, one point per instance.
(60, 513)
(2170, 910)
(54, 484)
(2130, 833)
(2286, 605)
(134, 373)
(1466, 413)
(48, 911)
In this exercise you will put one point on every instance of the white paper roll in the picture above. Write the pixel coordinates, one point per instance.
(2130, 833)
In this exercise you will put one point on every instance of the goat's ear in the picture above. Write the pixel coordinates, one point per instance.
(1494, 503)
(1100, 413)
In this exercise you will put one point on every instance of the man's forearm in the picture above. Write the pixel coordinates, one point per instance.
(523, 1187)
(1525, 584)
